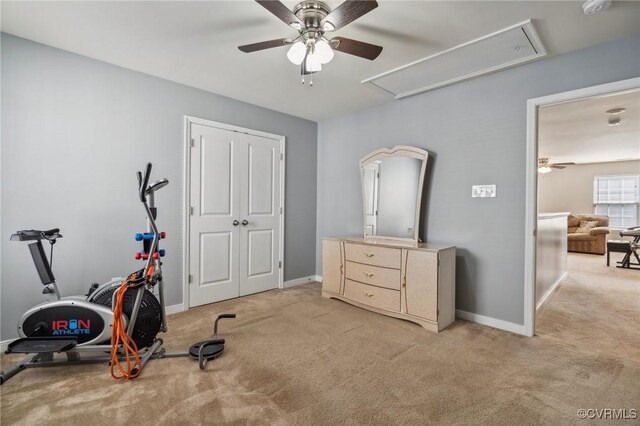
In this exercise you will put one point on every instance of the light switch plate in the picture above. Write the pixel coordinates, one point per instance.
(483, 191)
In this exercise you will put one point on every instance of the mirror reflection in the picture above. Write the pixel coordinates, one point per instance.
(391, 188)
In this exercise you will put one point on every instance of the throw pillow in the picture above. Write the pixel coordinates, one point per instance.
(586, 226)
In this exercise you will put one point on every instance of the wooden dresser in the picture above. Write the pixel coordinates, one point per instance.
(415, 282)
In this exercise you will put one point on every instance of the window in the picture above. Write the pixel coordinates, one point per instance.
(618, 198)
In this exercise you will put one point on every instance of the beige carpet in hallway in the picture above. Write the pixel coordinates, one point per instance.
(294, 357)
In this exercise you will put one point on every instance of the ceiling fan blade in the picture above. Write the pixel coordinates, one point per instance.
(555, 166)
(356, 48)
(346, 13)
(281, 12)
(563, 164)
(254, 47)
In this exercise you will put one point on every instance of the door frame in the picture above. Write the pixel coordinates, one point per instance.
(186, 213)
(531, 197)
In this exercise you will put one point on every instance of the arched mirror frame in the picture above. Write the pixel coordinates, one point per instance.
(396, 151)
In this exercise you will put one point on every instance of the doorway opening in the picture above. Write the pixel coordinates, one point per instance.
(582, 193)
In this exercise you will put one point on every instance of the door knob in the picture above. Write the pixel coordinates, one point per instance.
(235, 223)
(245, 222)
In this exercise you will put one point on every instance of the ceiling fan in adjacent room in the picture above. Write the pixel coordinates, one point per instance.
(313, 19)
(544, 166)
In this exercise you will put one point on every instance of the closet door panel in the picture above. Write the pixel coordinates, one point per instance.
(259, 214)
(214, 241)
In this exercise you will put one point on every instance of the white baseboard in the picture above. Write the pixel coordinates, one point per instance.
(174, 309)
(491, 322)
(551, 291)
(318, 278)
(299, 281)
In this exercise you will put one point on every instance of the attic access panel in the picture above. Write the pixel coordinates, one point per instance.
(503, 49)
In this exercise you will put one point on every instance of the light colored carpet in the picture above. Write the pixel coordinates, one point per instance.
(294, 357)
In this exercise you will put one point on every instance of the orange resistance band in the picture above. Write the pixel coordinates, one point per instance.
(119, 336)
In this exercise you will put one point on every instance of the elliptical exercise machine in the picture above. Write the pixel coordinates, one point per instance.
(120, 317)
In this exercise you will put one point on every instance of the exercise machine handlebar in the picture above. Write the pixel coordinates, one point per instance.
(143, 181)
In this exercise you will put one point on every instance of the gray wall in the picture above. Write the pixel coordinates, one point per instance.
(476, 134)
(75, 131)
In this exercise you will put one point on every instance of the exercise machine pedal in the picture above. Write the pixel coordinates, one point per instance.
(38, 345)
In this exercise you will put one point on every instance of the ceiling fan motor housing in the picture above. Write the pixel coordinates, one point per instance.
(312, 13)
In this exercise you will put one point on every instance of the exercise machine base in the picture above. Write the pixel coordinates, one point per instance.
(46, 359)
(42, 349)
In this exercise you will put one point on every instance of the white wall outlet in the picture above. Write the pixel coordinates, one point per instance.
(483, 191)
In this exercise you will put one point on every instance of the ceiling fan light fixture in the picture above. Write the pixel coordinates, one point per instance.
(297, 53)
(323, 51)
(544, 169)
(312, 63)
(328, 26)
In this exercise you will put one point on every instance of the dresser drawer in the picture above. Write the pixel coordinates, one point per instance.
(374, 275)
(376, 297)
(371, 255)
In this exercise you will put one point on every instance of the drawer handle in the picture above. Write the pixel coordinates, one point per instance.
(367, 254)
(368, 275)
(366, 293)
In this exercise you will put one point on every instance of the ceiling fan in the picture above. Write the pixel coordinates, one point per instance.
(313, 19)
(544, 166)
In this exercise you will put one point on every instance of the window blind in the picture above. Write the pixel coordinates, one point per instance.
(618, 198)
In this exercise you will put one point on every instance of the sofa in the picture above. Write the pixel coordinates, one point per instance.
(594, 241)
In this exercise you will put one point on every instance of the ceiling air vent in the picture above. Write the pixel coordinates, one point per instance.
(503, 49)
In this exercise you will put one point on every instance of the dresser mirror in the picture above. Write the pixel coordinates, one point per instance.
(392, 181)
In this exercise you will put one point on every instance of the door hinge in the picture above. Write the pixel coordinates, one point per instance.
(191, 211)
(192, 143)
(281, 156)
(190, 278)
(535, 232)
(280, 210)
(280, 264)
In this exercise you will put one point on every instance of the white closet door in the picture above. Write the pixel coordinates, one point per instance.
(260, 211)
(214, 240)
(235, 224)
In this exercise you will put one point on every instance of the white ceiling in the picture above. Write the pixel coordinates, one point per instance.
(195, 43)
(578, 131)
